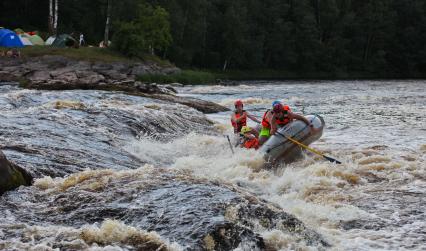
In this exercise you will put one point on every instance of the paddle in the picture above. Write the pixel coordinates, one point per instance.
(230, 145)
(310, 149)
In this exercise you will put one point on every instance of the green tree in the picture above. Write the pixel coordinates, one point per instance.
(147, 33)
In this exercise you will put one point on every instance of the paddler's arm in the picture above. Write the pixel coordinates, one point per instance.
(253, 118)
(300, 117)
(273, 123)
(238, 120)
(233, 122)
(233, 118)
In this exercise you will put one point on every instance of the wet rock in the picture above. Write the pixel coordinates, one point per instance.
(113, 75)
(168, 89)
(91, 79)
(61, 73)
(70, 77)
(40, 76)
(11, 175)
(200, 105)
(175, 84)
(140, 69)
(170, 70)
(196, 213)
(62, 132)
(6, 76)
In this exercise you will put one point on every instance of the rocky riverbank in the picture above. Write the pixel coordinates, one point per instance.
(61, 73)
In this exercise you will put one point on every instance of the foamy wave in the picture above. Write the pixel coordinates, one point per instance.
(112, 232)
(111, 235)
(220, 88)
(91, 180)
(67, 104)
(320, 193)
(247, 101)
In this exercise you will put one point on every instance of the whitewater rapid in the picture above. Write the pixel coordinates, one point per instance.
(375, 200)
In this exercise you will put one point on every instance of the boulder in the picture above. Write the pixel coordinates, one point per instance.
(198, 104)
(12, 176)
(196, 213)
(60, 71)
(141, 69)
(39, 76)
(170, 70)
(68, 77)
(91, 79)
(8, 77)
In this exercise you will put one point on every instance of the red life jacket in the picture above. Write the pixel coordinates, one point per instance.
(243, 122)
(265, 122)
(251, 143)
(280, 122)
(284, 121)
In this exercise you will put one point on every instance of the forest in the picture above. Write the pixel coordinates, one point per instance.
(340, 38)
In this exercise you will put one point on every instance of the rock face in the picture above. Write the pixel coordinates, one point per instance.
(11, 175)
(61, 73)
(57, 133)
(196, 213)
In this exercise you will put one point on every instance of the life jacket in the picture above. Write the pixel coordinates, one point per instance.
(243, 122)
(251, 143)
(284, 121)
(265, 122)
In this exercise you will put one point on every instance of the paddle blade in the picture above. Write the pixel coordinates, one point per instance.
(332, 160)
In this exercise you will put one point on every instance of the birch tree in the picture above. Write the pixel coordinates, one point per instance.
(55, 23)
(107, 24)
(53, 17)
(50, 24)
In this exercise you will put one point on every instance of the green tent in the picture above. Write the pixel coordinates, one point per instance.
(64, 40)
(36, 40)
(19, 31)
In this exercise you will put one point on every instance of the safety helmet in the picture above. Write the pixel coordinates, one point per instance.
(245, 129)
(278, 108)
(276, 102)
(238, 102)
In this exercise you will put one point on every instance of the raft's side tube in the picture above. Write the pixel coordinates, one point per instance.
(278, 148)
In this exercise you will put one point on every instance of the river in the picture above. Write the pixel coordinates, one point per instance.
(374, 200)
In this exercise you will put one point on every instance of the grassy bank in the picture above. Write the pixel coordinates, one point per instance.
(211, 77)
(207, 76)
(89, 54)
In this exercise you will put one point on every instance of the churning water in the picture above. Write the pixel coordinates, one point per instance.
(375, 200)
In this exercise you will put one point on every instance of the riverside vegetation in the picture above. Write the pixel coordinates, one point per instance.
(278, 39)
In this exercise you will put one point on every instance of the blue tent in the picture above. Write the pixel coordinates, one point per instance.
(9, 39)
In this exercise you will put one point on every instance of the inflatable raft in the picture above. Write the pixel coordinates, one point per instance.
(279, 149)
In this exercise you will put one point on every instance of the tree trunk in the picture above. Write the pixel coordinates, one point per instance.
(204, 39)
(318, 19)
(107, 24)
(367, 48)
(55, 23)
(225, 65)
(184, 25)
(50, 21)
